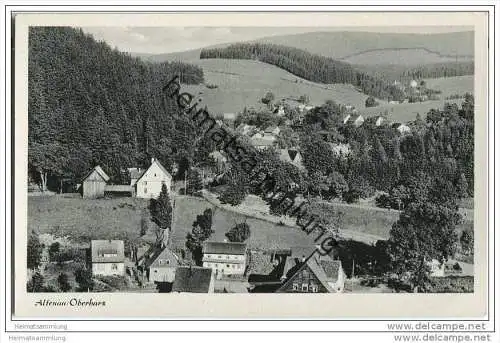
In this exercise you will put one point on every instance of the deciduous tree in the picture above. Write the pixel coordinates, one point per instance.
(239, 233)
(201, 231)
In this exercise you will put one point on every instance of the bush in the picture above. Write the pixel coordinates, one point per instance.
(54, 250)
(114, 281)
(371, 102)
(69, 254)
(63, 282)
(452, 284)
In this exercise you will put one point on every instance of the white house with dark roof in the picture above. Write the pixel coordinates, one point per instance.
(262, 143)
(107, 257)
(162, 264)
(272, 130)
(149, 184)
(225, 258)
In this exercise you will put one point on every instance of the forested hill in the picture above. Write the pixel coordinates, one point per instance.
(90, 104)
(308, 66)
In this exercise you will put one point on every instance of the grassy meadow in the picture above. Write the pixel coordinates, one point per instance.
(242, 83)
(407, 111)
(452, 85)
(84, 219)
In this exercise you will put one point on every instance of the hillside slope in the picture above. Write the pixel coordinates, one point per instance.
(357, 47)
(242, 83)
(347, 45)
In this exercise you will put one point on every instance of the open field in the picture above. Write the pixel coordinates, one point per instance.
(407, 112)
(452, 85)
(264, 234)
(85, 219)
(244, 82)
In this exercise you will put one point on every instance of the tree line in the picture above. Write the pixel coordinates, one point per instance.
(90, 104)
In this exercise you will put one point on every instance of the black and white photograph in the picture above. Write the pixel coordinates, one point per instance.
(196, 159)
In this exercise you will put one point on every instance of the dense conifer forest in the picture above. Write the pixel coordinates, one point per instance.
(90, 104)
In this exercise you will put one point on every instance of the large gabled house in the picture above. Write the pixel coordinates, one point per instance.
(161, 265)
(309, 272)
(107, 257)
(225, 258)
(150, 182)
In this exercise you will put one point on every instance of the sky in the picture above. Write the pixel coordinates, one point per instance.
(157, 40)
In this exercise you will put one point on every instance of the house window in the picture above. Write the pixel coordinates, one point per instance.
(227, 265)
(220, 256)
(314, 288)
(145, 183)
(114, 266)
(145, 190)
(305, 287)
(155, 174)
(295, 287)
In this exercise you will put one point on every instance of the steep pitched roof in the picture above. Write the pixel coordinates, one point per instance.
(155, 161)
(162, 258)
(192, 279)
(136, 173)
(99, 171)
(100, 248)
(324, 268)
(227, 248)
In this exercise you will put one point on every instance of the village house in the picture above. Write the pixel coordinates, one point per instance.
(149, 184)
(107, 257)
(346, 119)
(376, 121)
(135, 174)
(379, 121)
(225, 258)
(306, 272)
(279, 110)
(272, 131)
(402, 128)
(292, 156)
(94, 183)
(143, 183)
(340, 148)
(190, 279)
(161, 265)
(262, 143)
(357, 121)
